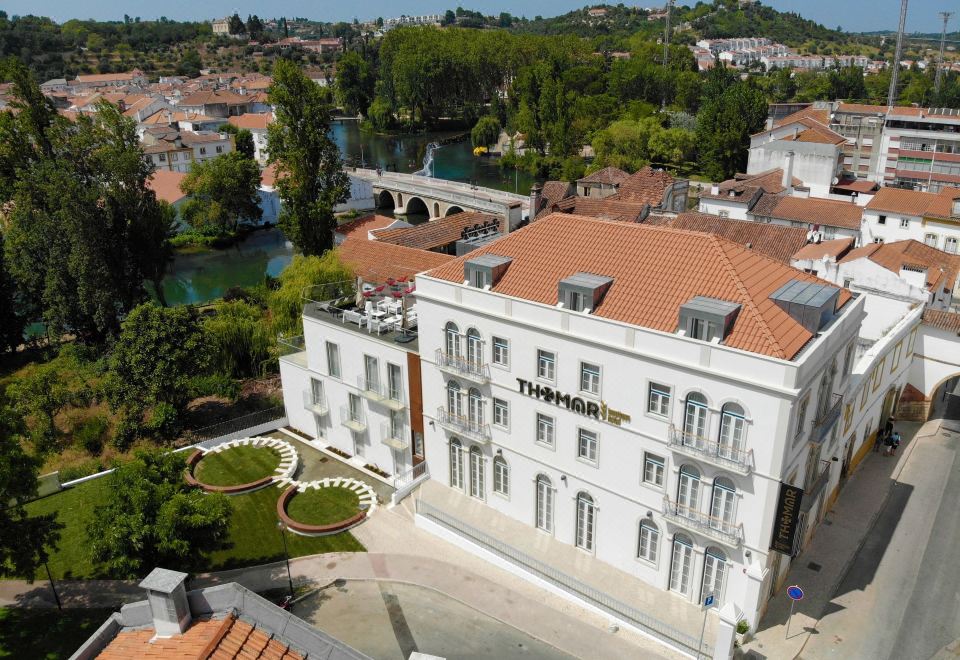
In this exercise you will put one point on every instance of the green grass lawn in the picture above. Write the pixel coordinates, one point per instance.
(323, 506)
(236, 466)
(46, 634)
(254, 537)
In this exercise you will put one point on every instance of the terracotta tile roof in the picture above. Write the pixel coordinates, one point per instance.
(552, 193)
(901, 200)
(375, 261)
(436, 233)
(367, 223)
(268, 177)
(818, 212)
(166, 117)
(775, 241)
(608, 208)
(655, 271)
(254, 121)
(108, 77)
(166, 185)
(765, 204)
(949, 321)
(942, 267)
(862, 108)
(608, 175)
(744, 186)
(189, 137)
(941, 206)
(213, 97)
(835, 248)
(857, 185)
(821, 115)
(647, 185)
(818, 134)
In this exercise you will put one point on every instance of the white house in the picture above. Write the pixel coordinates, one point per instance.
(897, 214)
(257, 125)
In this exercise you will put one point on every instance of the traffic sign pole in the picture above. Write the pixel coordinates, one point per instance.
(707, 604)
(795, 593)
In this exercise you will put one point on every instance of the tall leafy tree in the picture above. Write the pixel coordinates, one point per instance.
(84, 231)
(243, 141)
(724, 126)
(11, 330)
(355, 83)
(222, 191)
(310, 176)
(153, 518)
(26, 541)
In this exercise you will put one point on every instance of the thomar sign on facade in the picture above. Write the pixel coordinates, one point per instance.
(599, 411)
(785, 524)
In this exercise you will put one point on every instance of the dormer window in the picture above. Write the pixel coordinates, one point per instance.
(702, 329)
(707, 319)
(582, 292)
(485, 270)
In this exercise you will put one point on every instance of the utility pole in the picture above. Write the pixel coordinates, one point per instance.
(666, 35)
(898, 53)
(945, 15)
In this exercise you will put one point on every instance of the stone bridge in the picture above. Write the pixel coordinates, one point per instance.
(438, 198)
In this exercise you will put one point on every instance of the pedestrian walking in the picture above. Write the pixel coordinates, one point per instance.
(894, 443)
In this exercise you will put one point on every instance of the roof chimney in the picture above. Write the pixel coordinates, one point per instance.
(536, 192)
(714, 189)
(788, 172)
(167, 596)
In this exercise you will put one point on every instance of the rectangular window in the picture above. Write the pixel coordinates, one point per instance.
(589, 378)
(802, 415)
(866, 393)
(896, 356)
(658, 399)
(931, 240)
(545, 429)
(878, 241)
(501, 477)
(371, 373)
(847, 281)
(162, 157)
(355, 410)
(203, 150)
(501, 352)
(649, 540)
(911, 342)
(394, 382)
(501, 413)
(333, 360)
(881, 220)
(546, 365)
(848, 359)
(575, 300)
(702, 329)
(219, 150)
(904, 223)
(587, 445)
(653, 470)
(878, 374)
(950, 245)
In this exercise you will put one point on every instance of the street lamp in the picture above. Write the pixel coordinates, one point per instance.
(286, 553)
(56, 596)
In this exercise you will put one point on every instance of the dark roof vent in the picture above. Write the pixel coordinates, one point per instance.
(582, 292)
(707, 318)
(811, 304)
(485, 270)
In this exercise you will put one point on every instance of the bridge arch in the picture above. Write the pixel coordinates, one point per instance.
(453, 208)
(416, 205)
(385, 200)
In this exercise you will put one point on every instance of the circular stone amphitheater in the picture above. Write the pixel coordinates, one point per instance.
(283, 473)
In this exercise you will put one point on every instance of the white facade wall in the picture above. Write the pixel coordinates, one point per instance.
(328, 429)
(735, 209)
(936, 358)
(815, 164)
(888, 227)
(630, 358)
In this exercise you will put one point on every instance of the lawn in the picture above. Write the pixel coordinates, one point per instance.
(46, 634)
(323, 506)
(236, 466)
(254, 537)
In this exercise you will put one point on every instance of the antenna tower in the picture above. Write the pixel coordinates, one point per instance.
(898, 53)
(945, 15)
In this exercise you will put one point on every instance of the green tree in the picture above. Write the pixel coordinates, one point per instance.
(153, 518)
(159, 351)
(380, 115)
(310, 176)
(355, 83)
(26, 541)
(41, 395)
(222, 191)
(486, 131)
(189, 64)
(286, 303)
(724, 126)
(243, 141)
(236, 24)
(11, 330)
(239, 337)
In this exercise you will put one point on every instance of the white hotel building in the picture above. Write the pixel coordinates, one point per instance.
(636, 392)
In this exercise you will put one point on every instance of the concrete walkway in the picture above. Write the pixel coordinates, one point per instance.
(822, 566)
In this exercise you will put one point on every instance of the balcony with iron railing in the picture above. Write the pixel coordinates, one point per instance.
(395, 436)
(353, 420)
(727, 532)
(315, 402)
(711, 451)
(384, 395)
(825, 422)
(465, 426)
(370, 390)
(460, 365)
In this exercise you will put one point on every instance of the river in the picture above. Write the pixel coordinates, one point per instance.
(204, 276)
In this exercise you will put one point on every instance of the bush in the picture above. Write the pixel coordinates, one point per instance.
(215, 385)
(486, 132)
(742, 626)
(239, 337)
(165, 421)
(90, 433)
(84, 469)
(286, 303)
(127, 431)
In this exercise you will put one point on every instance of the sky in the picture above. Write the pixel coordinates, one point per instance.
(856, 15)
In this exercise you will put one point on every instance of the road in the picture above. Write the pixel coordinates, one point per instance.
(900, 599)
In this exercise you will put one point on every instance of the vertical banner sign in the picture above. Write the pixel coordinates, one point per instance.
(785, 524)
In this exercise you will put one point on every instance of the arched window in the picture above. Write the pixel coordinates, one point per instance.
(475, 406)
(681, 564)
(477, 486)
(732, 430)
(649, 541)
(714, 574)
(474, 348)
(586, 521)
(501, 476)
(826, 391)
(723, 507)
(695, 419)
(454, 402)
(451, 339)
(456, 464)
(688, 492)
(544, 503)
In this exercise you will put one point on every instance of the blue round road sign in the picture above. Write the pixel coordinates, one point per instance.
(795, 592)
